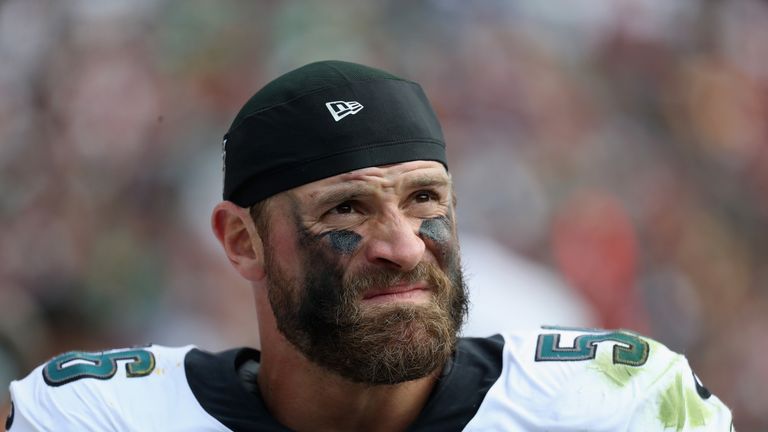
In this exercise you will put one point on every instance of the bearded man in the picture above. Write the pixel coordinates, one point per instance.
(339, 210)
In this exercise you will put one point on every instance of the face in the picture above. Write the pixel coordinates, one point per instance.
(364, 275)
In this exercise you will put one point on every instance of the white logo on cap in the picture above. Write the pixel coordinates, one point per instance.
(341, 109)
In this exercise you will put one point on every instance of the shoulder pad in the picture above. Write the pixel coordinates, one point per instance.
(602, 380)
(96, 390)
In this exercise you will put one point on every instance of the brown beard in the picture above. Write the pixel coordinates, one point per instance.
(323, 318)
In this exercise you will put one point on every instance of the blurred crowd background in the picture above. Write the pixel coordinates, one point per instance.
(610, 156)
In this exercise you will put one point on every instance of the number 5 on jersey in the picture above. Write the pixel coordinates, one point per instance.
(629, 349)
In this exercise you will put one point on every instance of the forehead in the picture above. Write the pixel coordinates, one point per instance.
(385, 176)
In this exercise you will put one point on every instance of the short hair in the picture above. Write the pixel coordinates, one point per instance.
(260, 216)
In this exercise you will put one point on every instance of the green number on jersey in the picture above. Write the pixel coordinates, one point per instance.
(75, 365)
(628, 348)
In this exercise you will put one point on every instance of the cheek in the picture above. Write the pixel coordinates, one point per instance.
(282, 249)
(343, 242)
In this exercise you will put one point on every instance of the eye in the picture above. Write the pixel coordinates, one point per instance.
(344, 208)
(424, 196)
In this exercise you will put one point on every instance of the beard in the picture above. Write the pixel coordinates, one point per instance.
(322, 316)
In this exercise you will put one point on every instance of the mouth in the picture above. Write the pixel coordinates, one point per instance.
(403, 292)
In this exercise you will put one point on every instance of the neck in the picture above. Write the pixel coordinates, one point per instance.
(306, 397)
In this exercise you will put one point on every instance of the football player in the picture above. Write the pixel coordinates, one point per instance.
(339, 211)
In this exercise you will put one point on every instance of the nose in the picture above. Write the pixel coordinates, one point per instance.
(394, 243)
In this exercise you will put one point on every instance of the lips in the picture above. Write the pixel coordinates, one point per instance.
(399, 290)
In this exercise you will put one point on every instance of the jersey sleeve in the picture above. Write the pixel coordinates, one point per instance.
(38, 407)
(117, 390)
(560, 380)
(678, 401)
(18, 423)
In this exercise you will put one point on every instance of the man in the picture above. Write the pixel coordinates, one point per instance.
(339, 211)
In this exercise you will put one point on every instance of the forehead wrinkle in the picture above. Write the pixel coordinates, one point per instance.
(427, 180)
(407, 180)
(368, 182)
(343, 192)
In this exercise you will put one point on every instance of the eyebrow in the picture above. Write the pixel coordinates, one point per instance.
(424, 181)
(349, 192)
(341, 194)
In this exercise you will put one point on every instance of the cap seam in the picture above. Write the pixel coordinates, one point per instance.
(329, 65)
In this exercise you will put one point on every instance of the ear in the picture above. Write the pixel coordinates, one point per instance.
(237, 234)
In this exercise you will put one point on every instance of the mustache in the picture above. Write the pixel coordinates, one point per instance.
(374, 278)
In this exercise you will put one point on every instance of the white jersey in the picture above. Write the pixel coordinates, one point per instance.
(137, 389)
(551, 380)
(588, 380)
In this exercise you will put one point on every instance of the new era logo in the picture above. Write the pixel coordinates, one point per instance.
(341, 109)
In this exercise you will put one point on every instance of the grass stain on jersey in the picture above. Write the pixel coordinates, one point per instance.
(679, 404)
(618, 374)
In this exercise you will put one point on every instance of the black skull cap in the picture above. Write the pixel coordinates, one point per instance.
(325, 119)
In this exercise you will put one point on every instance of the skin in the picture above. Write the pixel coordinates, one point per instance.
(380, 214)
